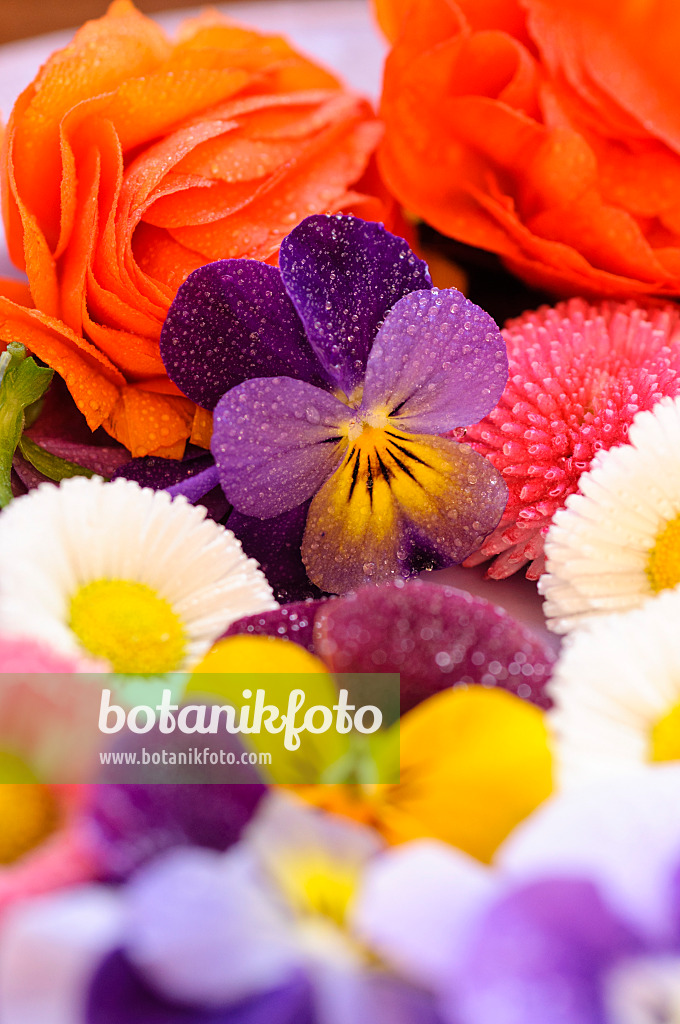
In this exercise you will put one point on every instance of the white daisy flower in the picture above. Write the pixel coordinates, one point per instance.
(124, 573)
(618, 541)
(616, 690)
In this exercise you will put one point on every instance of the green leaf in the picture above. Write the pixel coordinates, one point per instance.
(22, 382)
(50, 465)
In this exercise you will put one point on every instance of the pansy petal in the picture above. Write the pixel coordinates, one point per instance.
(460, 640)
(191, 913)
(230, 321)
(416, 906)
(398, 504)
(624, 833)
(438, 362)
(343, 275)
(539, 956)
(275, 545)
(160, 474)
(51, 946)
(117, 993)
(275, 441)
(131, 824)
(293, 621)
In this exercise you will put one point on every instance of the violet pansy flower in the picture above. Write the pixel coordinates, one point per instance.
(331, 378)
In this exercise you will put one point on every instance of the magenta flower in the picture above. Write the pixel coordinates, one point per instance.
(331, 379)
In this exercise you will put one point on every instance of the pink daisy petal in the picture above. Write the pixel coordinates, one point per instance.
(578, 375)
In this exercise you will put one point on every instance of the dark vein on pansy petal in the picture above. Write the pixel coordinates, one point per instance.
(369, 482)
(331, 440)
(400, 406)
(387, 473)
(403, 467)
(355, 473)
(410, 455)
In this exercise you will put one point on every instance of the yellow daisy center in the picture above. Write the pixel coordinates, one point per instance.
(666, 737)
(663, 565)
(28, 810)
(128, 624)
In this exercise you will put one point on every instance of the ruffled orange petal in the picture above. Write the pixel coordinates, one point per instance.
(149, 423)
(91, 378)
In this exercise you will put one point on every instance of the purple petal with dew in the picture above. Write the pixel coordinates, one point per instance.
(542, 954)
(275, 545)
(291, 622)
(438, 362)
(343, 275)
(202, 928)
(131, 824)
(230, 321)
(398, 504)
(117, 995)
(435, 637)
(160, 474)
(275, 441)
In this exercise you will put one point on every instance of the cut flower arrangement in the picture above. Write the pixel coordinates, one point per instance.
(243, 424)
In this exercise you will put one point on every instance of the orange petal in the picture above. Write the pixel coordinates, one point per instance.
(145, 421)
(310, 184)
(103, 54)
(16, 291)
(91, 378)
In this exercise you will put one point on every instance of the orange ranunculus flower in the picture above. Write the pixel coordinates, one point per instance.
(547, 131)
(129, 162)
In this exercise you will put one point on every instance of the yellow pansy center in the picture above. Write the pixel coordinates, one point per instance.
(318, 886)
(130, 625)
(28, 810)
(663, 564)
(666, 737)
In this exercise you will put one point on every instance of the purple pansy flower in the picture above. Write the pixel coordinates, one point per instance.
(331, 378)
(589, 932)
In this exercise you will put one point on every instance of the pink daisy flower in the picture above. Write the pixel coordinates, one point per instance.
(43, 845)
(578, 375)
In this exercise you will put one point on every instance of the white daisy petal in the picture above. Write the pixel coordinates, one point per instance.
(600, 547)
(617, 678)
(57, 540)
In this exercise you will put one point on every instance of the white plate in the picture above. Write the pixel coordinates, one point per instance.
(340, 34)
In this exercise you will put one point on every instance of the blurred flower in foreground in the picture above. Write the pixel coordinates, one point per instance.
(435, 637)
(43, 842)
(339, 370)
(473, 761)
(616, 689)
(618, 541)
(578, 376)
(308, 918)
(590, 931)
(129, 162)
(213, 932)
(543, 130)
(122, 573)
